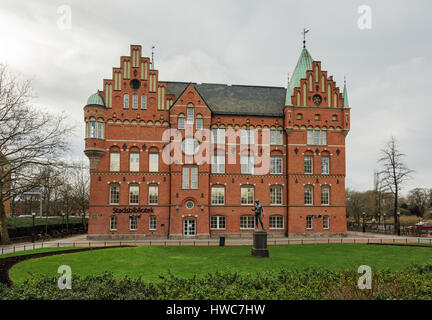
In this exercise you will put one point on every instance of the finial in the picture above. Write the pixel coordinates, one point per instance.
(152, 62)
(288, 77)
(304, 36)
(344, 80)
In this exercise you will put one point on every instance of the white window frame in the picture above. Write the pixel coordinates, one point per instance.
(309, 222)
(218, 136)
(274, 165)
(247, 164)
(276, 195)
(152, 222)
(199, 123)
(217, 222)
(133, 220)
(311, 196)
(218, 163)
(112, 191)
(247, 202)
(114, 161)
(113, 223)
(190, 115)
(276, 137)
(247, 136)
(325, 164)
(151, 197)
(181, 122)
(215, 197)
(133, 188)
(274, 222)
(135, 102)
(134, 161)
(153, 161)
(325, 188)
(326, 222)
(143, 102)
(308, 164)
(247, 222)
(190, 177)
(126, 101)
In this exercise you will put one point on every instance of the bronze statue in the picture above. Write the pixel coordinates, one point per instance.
(258, 211)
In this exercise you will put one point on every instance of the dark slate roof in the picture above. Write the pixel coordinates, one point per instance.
(236, 99)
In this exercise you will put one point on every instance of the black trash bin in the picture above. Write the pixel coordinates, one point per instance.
(221, 241)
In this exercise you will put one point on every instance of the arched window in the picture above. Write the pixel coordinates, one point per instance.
(143, 102)
(134, 101)
(308, 195)
(325, 195)
(126, 101)
(181, 121)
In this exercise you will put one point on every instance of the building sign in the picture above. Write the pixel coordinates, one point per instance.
(133, 210)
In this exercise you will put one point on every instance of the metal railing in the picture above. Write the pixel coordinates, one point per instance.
(211, 242)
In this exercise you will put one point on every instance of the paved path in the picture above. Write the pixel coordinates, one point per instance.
(81, 241)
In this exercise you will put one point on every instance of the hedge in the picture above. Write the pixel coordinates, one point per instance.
(412, 283)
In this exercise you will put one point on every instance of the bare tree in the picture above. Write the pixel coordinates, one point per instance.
(394, 174)
(418, 200)
(29, 139)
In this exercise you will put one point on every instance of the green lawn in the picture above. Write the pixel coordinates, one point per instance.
(150, 261)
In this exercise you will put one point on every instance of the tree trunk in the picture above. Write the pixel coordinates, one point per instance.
(4, 234)
(395, 215)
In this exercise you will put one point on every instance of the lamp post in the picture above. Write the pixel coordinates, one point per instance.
(33, 229)
(364, 226)
(63, 216)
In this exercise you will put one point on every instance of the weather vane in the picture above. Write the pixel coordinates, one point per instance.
(304, 36)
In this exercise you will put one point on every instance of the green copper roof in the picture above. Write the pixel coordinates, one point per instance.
(345, 96)
(304, 63)
(96, 99)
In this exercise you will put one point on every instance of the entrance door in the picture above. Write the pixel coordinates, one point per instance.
(189, 227)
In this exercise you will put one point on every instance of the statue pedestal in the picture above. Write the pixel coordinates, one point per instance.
(260, 244)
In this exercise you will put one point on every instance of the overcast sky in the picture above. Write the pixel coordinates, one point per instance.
(388, 67)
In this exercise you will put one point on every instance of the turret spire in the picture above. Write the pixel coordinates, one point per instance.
(345, 94)
(152, 60)
(304, 36)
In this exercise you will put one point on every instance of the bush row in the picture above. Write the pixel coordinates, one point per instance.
(412, 283)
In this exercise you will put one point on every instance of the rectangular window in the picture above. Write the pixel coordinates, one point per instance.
(308, 198)
(126, 101)
(113, 223)
(143, 102)
(134, 194)
(92, 129)
(217, 222)
(317, 137)
(114, 194)
(323, 140)
(246, 222)
(325, 165)
(190, 178)
(134, 101)
(153, 194)
(309, 137)
(152, 223)
(181, 123)
(275, 165)
(199, 123)
(276, 222)
(133, 222)
(100, 130)
(115, 161)
(326, 222)
(134, 161)
(247, 136)
(325, 196)
(275, 195)
(308, 164)
(247, 195)
(276, 137)
(247, 164)
(218, 195)
(218, 164)
(190, 115)
(153, 162)
(218, 136)
(309, 222)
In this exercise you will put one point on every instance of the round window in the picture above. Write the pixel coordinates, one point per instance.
(189, 204)
(190, 146)
(135, 84)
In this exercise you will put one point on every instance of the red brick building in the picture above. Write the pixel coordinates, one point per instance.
(178, 159)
